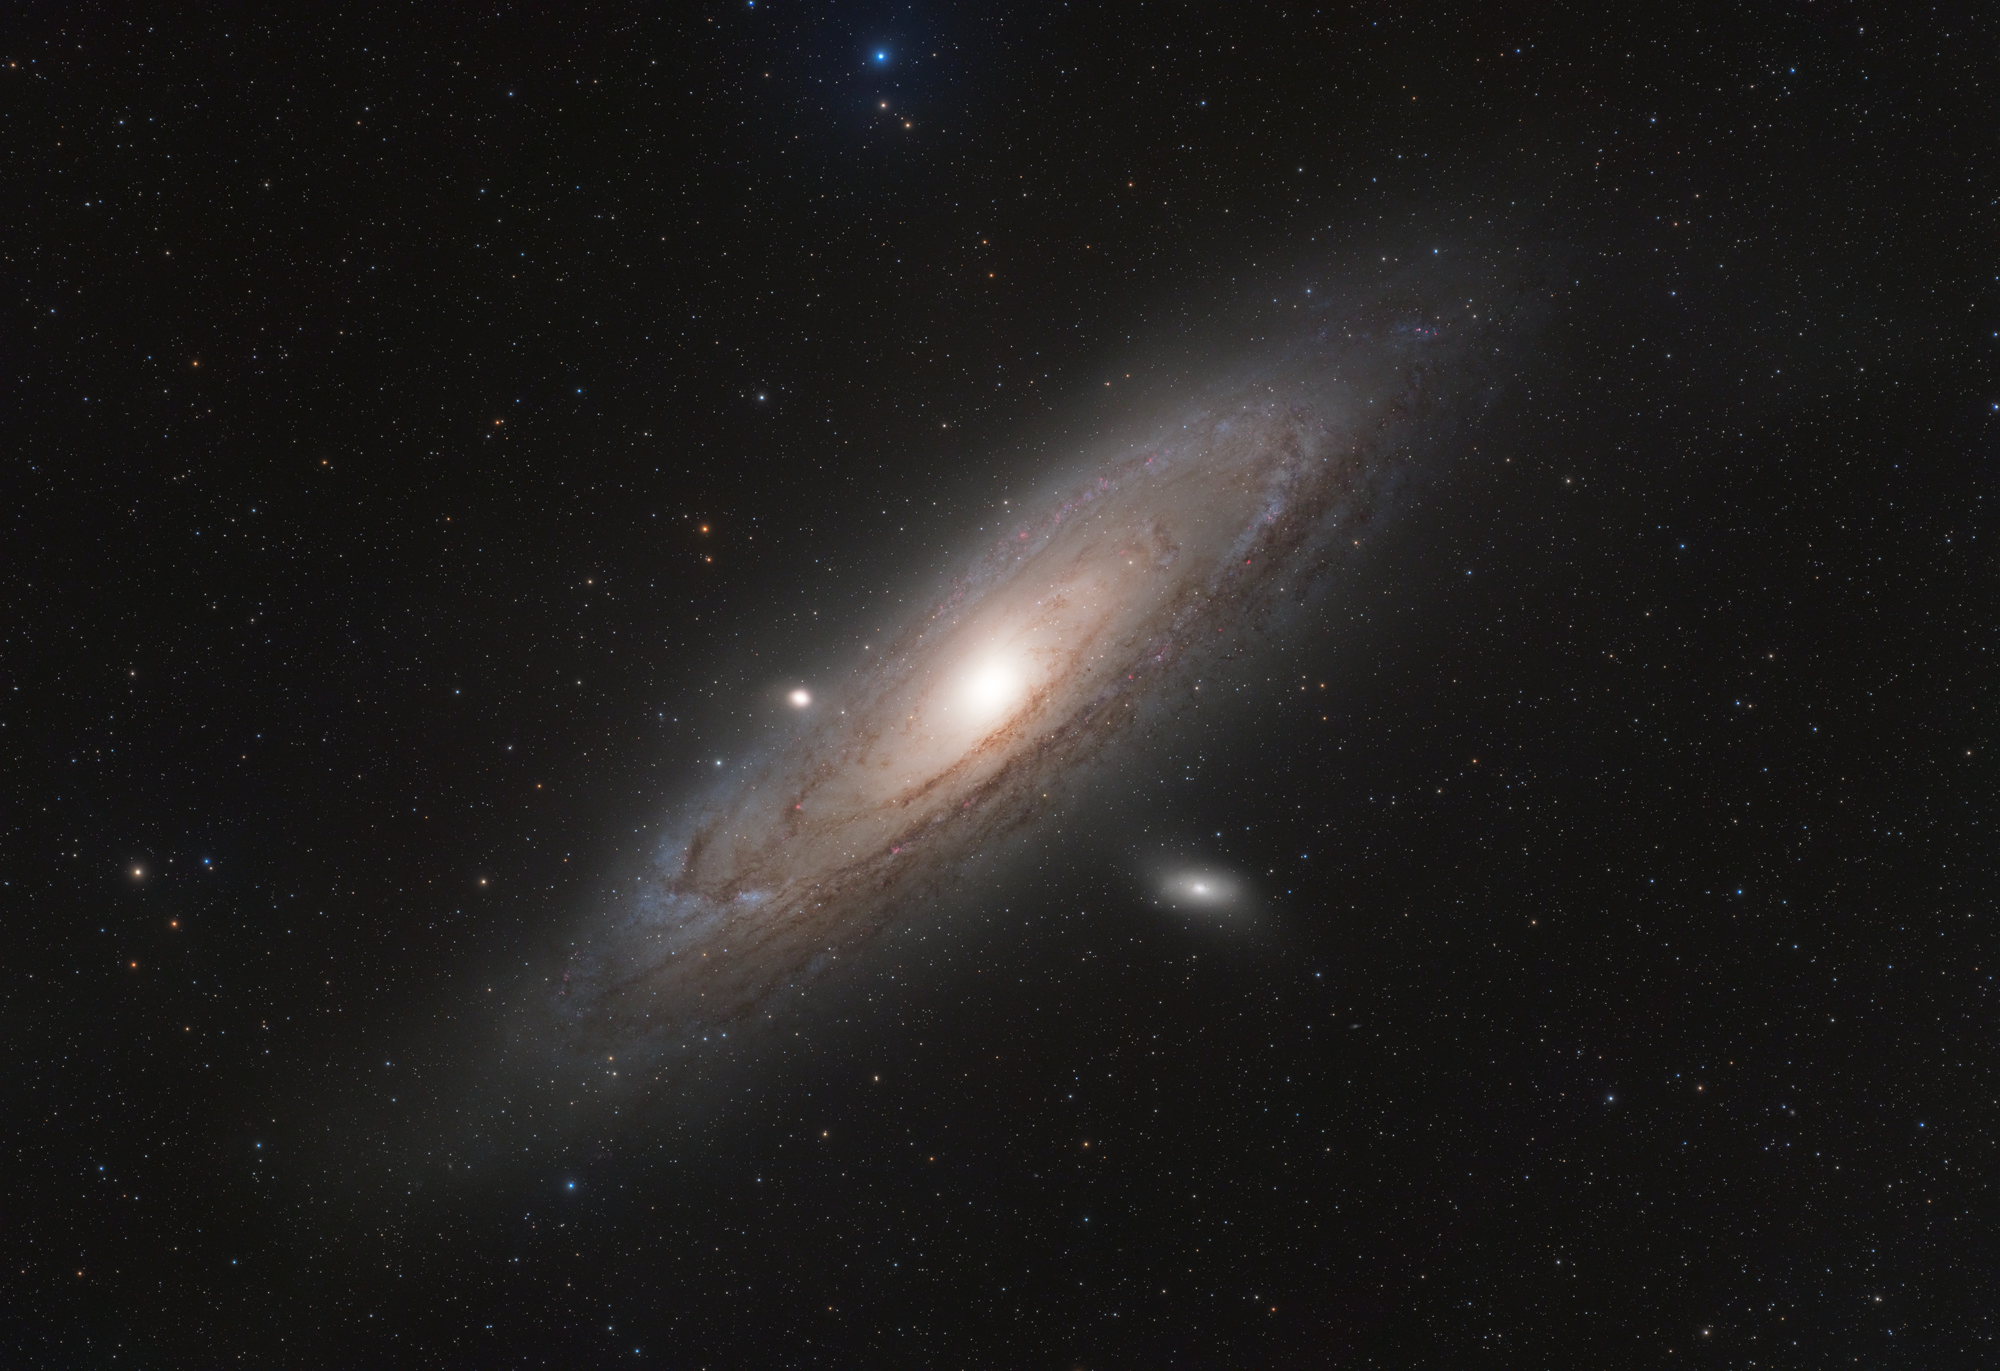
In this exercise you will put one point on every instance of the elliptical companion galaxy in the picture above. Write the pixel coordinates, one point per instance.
(1154, 563)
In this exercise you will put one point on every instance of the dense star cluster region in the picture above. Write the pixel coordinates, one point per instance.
(820, 685)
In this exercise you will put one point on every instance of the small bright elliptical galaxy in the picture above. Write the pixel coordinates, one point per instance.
(1203, 889)
(822, 686)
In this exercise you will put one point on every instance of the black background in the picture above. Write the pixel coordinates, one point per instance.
(374, 372)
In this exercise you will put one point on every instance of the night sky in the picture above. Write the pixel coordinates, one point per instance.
(433, 433)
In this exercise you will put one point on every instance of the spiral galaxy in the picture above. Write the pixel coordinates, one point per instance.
(1152, 564)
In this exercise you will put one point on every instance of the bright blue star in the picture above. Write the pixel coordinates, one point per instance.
(881, 56)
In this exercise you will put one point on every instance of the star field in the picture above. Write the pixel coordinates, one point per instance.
(443, 442)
